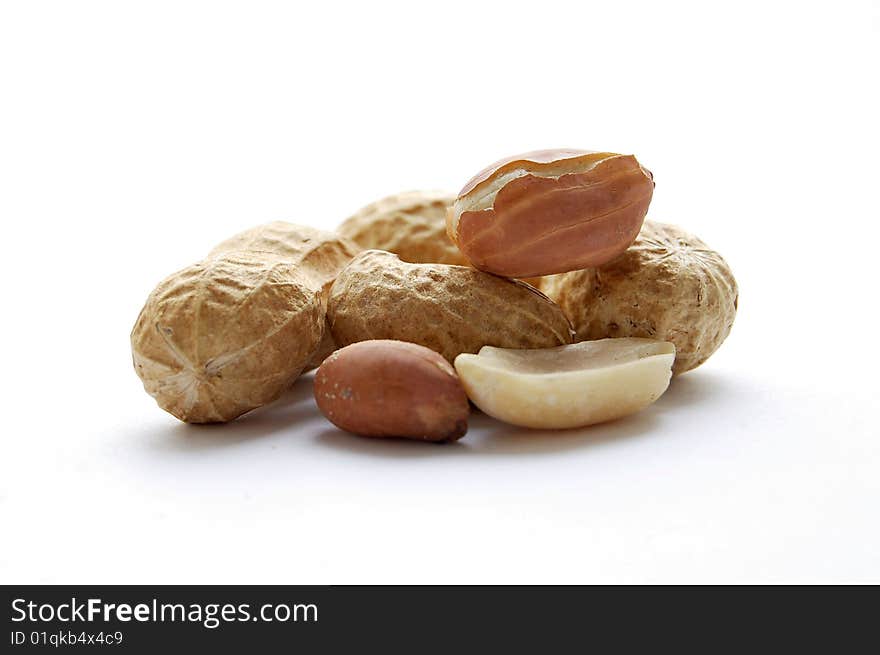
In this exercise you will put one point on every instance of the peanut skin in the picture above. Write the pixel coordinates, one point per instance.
(385, 388)
(550, 211)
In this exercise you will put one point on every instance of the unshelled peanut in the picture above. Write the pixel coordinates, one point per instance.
(449, 309)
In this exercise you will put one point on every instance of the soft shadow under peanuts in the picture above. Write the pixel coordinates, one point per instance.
(285, 414)
(694, 388)
(497, 438)
(488, 436)
(393, 448)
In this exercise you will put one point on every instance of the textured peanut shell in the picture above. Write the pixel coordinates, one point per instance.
(387, 388)
(226, 335)
(449, 309)
(412, 225)
(317, 255)
(668, 285)
(325, 347)
(550, 211)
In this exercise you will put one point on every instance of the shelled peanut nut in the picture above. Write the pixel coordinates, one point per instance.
(386, 388)
(550, 211)
(568, 386)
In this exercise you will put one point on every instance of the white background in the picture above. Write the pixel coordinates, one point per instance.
(133, 137)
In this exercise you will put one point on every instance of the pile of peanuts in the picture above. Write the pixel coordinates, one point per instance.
(539, 293)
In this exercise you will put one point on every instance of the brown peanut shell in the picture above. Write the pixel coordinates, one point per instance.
(669, 285)
(449, 309)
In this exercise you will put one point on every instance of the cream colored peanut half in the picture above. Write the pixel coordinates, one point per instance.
(567, 386)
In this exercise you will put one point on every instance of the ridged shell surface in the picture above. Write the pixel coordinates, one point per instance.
(450, 309)
(669, 285)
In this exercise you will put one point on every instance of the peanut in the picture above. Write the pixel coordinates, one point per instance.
(449, 309)
(568, 386)
(669, 285)
(388, 388)
(226, 335)
(232, 332)
(317, 255)
(412, 225)
(550, 211)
